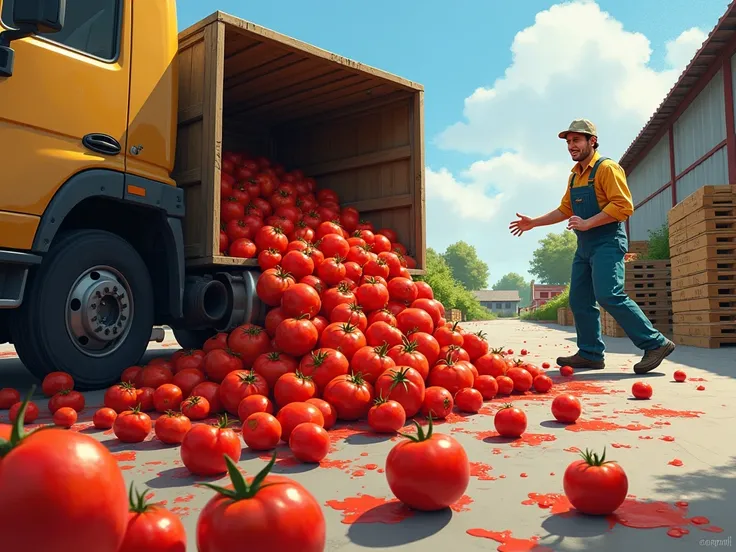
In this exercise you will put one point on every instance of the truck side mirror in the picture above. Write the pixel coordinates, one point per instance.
(30, 17)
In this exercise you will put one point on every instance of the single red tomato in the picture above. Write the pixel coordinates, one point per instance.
(679, 376)
(217, 341)
(120, 397)
(328, 411)
(204, 447)
(351, 396)
(8, 397)
(55, 382)
(167, 397)
(218, 363)
(152, 527)
(408, 354)
(386, 416)
(309, 442)
(196, 407)
(252, 404)
(296, 336)
(403, 384)
(104, 418)
(248, 342)
(641, 390)
(66, 397)
(566, 371)
(323, 365)
(438, 402)
(343, 336)
(31, 413)
(261, 431)
(505, 385)
(273, 511)
(469, 400)
(510, 421)
(65, 416)
(239, 384)
(546, 365)
(594, 485)
(187, 379)
(93, 490)
(451, 374)
(521, 377)
(155, 374)
(371, 362)
(188, 359)
(542, 383)
(296, 413)
(442, 462)
(171, 427)
(487, 386)
(132, 426)
(566, 408)
(144, 398)
(210, 391)
(491, 364)
(273, 365)
(381, 332)
(294, 388)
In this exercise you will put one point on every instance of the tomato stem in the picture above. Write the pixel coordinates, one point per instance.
(592, 459)
(17, 433)
(421, 435)
(137, 502)
(241, 490)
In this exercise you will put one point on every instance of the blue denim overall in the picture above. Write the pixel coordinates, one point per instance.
(598, 275)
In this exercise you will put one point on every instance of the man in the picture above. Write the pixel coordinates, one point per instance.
(596, 204)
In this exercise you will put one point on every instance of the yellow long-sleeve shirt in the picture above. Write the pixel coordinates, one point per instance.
(611, 189)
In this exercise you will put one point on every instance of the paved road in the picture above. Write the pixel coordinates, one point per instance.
(675, 449)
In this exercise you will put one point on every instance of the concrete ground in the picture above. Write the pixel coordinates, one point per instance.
(675, 449)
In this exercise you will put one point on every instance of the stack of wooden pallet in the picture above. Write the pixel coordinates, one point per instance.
(453, 315)
(703, 249)
(647, 283)
(640, 248)
(565, 317)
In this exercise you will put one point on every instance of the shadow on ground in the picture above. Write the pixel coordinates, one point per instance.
(411, 529)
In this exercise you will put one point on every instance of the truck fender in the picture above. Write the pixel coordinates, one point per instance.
(142, 192)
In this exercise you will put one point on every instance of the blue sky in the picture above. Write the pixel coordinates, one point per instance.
(453, 52)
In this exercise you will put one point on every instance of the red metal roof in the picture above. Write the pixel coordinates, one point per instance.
(701, 62)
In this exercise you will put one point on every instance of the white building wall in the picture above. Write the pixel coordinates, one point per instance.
(713, 170)
(652, 172)
(650, 216)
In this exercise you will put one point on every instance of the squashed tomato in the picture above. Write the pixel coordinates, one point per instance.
(442, 463)
(272, 513)
(595, 486)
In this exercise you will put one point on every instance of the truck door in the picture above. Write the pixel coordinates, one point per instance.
(65, 87)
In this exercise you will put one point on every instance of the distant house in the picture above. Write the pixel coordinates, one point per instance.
(503, 303)
(541, 293)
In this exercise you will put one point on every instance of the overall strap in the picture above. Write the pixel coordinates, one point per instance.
(591, 178)
(572, 180)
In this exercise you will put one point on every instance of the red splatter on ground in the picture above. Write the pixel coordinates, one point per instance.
(462, 504)
(380, 470)
(371, 466)
(508, 543)
(659, 412)
(185, 498)
(620, 445)
(358, 473)
(124, 468)
(667, 438)
(578, 387)
(523, 474)
(284, 458)
(697, 379)
(335, 464)
(181, 511)
(154, 463)
(700, 388)
(645, 437)
(81, 427)
(557, 503)
(370, 509)
(107, 432)
(125, 456)
(480, 470)
(342, 433)
(675, 462)
(530, 439)
(598, 425)
(364, 454)
(576, 450)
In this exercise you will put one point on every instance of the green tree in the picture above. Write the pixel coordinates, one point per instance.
(467, 268)
(552, 261)
(449, 291)
(659, 243)
(513, 281)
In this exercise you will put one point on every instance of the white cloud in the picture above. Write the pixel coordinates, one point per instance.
(574, 61)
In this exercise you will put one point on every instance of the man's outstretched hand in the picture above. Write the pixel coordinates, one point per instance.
(518, 227)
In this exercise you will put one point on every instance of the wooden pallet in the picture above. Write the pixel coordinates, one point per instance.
(720, 291)
(706, 196)
(704, 342)
(705, 317)
(701, 215)
(635, 276)
(706, 265)
(706, 330)
(640, 247)
(647, 265)
(711, 253)
(647, 285)
(713, 239)
(660, 296)
(722, 227)
(707, 304)
(677, 238)
(712, 277)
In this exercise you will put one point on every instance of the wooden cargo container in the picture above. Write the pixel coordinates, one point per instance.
(355, 129)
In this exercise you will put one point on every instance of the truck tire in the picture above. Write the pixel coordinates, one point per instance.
(192, 339)
(88, 310)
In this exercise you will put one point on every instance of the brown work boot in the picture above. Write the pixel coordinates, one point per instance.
(654, 358)
(577, 361)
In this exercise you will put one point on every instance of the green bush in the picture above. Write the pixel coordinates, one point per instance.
(548, 311)
(450, 292)
(659, 243)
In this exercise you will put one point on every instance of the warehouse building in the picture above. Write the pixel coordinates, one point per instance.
(690, 141)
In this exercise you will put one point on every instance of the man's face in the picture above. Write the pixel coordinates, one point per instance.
(579, 147)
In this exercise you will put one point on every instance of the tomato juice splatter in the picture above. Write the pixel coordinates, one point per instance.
(555, 502)
(658, 412)
(480, 470)
(620, 445)
(675, 462)
(125, 456)
(185, 498)
(599, 425)
(462, 504)
(335, 464)
(508, 542)
(370, 509)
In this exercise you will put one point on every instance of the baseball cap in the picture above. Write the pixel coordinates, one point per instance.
(583, 126)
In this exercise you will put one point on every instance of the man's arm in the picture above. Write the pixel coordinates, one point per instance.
(553, 217)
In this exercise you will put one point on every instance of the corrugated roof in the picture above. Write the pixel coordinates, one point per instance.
(712, 46)
(497, 295)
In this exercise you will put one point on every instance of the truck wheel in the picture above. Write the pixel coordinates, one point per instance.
(88, 310)
(192, 339)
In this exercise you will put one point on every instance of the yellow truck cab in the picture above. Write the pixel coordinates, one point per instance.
(110, 121)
